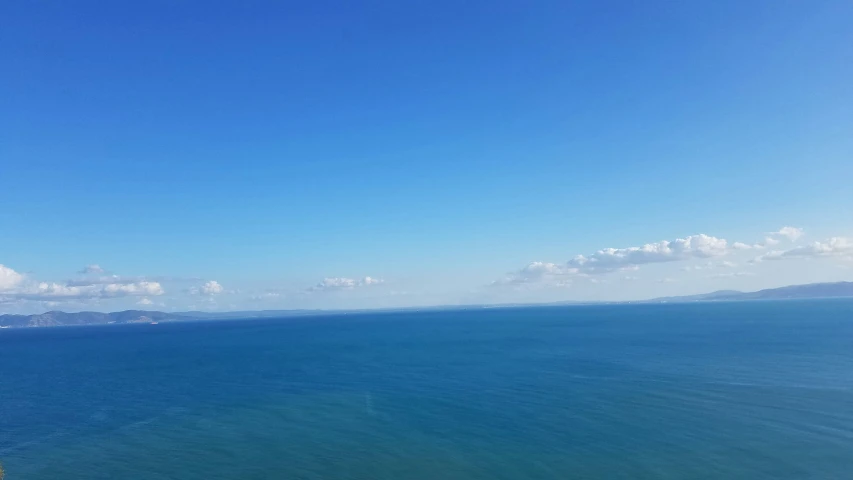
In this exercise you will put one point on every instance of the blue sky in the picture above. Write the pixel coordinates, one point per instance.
(437, 148)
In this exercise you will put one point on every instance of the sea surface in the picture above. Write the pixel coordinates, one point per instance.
(753, 390)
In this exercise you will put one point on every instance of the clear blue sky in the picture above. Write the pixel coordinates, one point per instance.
(436, 146)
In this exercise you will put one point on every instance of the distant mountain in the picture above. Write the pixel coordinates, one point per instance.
(54, 319)
(701, 297)
(811, 290)
(57, 319)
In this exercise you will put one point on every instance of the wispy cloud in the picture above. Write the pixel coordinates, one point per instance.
(831, 247)
(344, 283)
(103, 280)
(266, 296)
(731, 275)
(92, 269)
(791, 233)
(125, 279)
(772, 239)
(534, 272)
(709, 266)
(615, 259)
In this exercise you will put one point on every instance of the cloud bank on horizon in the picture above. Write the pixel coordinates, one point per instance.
(701, 246)
(698, 253)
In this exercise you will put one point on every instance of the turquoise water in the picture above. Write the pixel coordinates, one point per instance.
(738, 390)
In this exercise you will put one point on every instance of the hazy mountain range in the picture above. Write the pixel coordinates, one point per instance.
(55, 319)
(52, 319)
(811, 290)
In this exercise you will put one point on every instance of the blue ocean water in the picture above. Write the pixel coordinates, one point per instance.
(725, 390)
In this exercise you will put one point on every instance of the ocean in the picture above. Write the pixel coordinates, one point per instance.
(752, 390)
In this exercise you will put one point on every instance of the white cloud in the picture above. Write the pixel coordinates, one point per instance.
(534, 272)
(620, 259)
(755, 246)
(336, 283)
(344, 283)
(145, 301)
(125, 289)
(832, 247)
(45, 291)
(835, 246)
(768, 242)
(666, 280)
(611, 259)
(536, 269)
(791, 233)
(9, 278)
(211, 288)
(772, 239)
(107, 279)
(92, 269)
